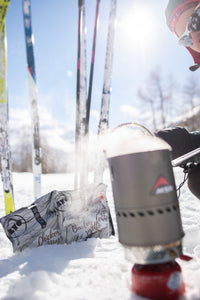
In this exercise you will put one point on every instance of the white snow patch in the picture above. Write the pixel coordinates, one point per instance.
(95, 269)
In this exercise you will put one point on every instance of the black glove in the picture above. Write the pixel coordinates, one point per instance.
(181, 141)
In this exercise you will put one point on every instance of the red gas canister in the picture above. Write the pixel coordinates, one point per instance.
(158, 281)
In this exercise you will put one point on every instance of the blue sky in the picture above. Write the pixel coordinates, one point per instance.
(55, 29)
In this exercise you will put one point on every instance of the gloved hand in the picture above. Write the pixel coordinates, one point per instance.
(181, 141)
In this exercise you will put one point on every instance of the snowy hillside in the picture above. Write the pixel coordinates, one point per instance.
(95, 269)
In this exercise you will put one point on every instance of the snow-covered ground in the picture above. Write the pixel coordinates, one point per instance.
(95, 269)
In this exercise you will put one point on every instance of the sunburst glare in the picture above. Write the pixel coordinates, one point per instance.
(139, 29)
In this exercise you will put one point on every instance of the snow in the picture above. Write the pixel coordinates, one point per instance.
(94, 269)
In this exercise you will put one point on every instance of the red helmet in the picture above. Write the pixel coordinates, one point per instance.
(173, 11)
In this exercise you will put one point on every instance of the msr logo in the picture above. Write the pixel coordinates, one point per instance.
(162, 186)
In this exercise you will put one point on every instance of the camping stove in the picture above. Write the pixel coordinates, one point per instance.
(146, 204)
(147, 213)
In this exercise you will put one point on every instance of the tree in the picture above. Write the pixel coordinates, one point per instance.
(157, 93)
(53, 160)
(21, 152)
(191, 93)
(148, 98)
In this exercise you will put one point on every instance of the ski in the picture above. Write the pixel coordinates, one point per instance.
(81, 98)
(104, 115)
(36, 152)
(4, 130)
(105, 102)
(3, 10)
(92, 67)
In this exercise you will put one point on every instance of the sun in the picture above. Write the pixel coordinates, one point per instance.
(139, 28)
